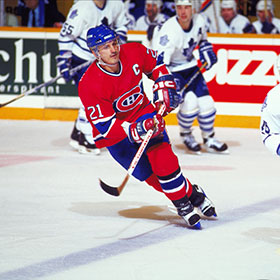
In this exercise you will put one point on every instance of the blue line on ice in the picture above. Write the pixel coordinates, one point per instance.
(102, 252)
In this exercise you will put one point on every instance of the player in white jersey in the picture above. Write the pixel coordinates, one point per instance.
(151, 19)
(232, 22)
(266, 23)
(210, 10)
(178, 38)
(270, 119)
(73, 50)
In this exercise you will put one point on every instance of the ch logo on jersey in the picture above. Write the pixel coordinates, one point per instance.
(130, 99)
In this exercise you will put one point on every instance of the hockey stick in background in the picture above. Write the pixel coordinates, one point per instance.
(116, 191)
(193, 77)
(30, 91)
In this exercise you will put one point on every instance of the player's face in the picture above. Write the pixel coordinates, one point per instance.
(227, 14)
(31, 4)
(152, 10)
(262, 16)
(184, 13)
(109, 52)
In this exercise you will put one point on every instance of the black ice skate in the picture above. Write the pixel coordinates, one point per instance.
(186, 210)
(74, 142)
(205, 206)
(212, 145)
(86, 147)
(190, 142)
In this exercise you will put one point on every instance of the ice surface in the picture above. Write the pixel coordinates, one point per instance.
(57, 223)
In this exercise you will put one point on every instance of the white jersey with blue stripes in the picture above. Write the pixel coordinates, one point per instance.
(84, 15)
(178, 45)
(270, 120)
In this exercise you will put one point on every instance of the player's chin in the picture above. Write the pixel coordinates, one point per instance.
(114, 59)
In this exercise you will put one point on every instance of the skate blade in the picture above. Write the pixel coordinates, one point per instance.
(212, 151)
(193, 152)
(74, 144)
(84, 151)
(196, 226)
(172, 209)
(204, 217)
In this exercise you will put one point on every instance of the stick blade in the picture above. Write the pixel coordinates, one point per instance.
(108, 189)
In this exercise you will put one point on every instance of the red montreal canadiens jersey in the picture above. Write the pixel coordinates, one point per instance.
(113, 98)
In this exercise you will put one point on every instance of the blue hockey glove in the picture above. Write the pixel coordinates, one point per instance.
(138, 130)
(63, 61)
(268, 28)
(206, 54)
(164, 90)
(249, 28)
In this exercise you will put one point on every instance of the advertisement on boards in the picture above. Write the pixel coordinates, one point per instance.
(244, 72)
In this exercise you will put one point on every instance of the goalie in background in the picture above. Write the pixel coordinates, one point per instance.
(178, 38)
(121, 115)
(270, 118)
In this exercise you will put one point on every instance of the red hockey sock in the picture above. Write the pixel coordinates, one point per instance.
(166, 167)
(153, 181)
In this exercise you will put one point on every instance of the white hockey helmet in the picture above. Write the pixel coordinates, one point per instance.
(261, 5)
(228, 4)
(183, 2)
(157, 2)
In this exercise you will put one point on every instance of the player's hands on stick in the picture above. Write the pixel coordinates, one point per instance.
(139, 129)
(63, 61)
(164, 91)
(206, 54)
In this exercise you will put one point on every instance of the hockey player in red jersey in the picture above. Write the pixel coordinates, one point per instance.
(120, 113)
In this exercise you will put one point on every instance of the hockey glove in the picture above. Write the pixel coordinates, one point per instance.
(206, 54)
(63, 61)
(249, 28)
(268, 28)
(138, 130)
(165, 92)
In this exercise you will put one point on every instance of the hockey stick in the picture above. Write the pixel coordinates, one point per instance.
(116, 191)
(193, 77)
(30, 91)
